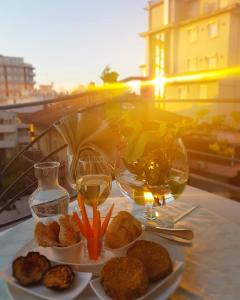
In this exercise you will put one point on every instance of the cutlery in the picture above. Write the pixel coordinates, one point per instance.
(169, 237)
(185, 234)
(186, 213)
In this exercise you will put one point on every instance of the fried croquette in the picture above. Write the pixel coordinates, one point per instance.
(124, 278)
(58, 277)
(29, 270)
(47, 235)
(155, 258)
(67, 235)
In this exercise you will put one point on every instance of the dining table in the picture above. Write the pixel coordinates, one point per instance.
(212, 261)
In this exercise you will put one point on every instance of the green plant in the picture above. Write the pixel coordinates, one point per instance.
(109, 76)
(222, 147)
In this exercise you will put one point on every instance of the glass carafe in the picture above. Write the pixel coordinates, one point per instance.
(50, 199)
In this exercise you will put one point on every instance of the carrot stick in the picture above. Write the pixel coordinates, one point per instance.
(94, 216)
(79, 223)
(85, 219)
(99, 237)
(106, 220)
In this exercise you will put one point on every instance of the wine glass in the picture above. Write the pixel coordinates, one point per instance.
(155, 179)
(93, 179)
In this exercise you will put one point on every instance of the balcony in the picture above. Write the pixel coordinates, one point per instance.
(196, 9)
(8, 128)
(24, 139)
(6, 144)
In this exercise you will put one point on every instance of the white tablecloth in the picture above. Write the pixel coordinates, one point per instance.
(212, 263)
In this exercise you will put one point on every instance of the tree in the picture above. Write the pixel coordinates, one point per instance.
(109, 76)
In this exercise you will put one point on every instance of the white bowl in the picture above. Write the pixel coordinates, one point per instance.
(67, 254)
(123, 250)
(79, 263)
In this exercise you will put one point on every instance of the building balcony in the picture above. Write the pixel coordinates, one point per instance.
(5, 128)
(22, 126)
(197, 10)
(24, 139)
(6, 144)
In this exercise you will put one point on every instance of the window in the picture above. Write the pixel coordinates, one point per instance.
(203, 91)
(212, 29)
(223, 3)
(210, 7)
(182, 92)
(192, 9)
(192, 64)
(192, 34)
(1, 136)
(212, 61)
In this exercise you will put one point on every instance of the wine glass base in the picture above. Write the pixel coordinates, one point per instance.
(157, 218)
(149, 215)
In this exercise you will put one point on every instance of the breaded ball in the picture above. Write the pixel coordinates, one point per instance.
(155, 258)
(124, 278)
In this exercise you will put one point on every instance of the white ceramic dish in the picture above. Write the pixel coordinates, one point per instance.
(81, 281)
(174, 250)
(156, 286)
(81, 264)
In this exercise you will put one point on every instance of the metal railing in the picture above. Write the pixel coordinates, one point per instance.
(194, 178)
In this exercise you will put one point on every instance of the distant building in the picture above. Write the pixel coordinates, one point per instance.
(13, 133)
(16, 78)
(187, 37)
(47, 91)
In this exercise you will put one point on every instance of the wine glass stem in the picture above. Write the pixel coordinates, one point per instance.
(149, 211)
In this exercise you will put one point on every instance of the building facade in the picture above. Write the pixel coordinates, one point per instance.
(16, 78)
(189, 37)
(13, 133)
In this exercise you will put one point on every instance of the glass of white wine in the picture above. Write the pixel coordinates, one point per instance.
(93, 179)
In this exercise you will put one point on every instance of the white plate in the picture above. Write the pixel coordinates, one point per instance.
(156, 286)
(80, 282)
(80, 265)
(174, 250)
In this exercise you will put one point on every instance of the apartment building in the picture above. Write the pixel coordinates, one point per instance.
(16, 78)
(13, 133)
(189, 37)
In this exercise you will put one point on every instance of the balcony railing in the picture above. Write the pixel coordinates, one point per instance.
(24, 139)
(78, 103)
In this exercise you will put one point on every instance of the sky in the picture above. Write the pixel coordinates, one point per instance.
(69, 42)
